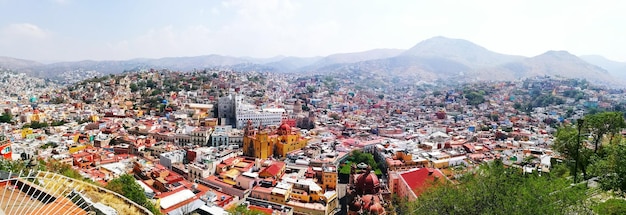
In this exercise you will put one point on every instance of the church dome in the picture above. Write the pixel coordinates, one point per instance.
(285, 127)
(367, 183)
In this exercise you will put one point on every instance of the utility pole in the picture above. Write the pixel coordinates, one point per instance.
(580, 125)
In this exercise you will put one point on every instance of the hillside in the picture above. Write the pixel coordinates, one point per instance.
(14, 63)
(615, 68)
(462, 51)
(437, 58)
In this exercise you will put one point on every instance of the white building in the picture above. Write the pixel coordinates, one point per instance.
(219, 137)
(233, 107)
(169, 158)
(200, 136)
(263, 117)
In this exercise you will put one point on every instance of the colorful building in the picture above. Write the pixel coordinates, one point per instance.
(412, 183)
(263, 144)
(5, 148)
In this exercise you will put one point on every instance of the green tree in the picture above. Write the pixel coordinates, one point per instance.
(310, 89)
(604, 123)
(6, 117)
(496, 189)
(566, 142)
(475, 98)
(133, 87)
(128, 187)
(611, 169)
(612, 207)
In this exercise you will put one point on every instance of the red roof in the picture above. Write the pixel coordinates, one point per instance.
(418, 180)
(274, 169)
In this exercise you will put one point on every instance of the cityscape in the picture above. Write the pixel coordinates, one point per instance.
(441, 126)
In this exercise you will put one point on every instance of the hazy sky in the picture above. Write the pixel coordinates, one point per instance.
(62, 30)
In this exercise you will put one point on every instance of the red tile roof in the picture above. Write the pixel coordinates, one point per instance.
(274, 169)
(420, 179)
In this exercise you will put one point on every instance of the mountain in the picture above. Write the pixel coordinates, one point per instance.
(347, 58)
(14, 63)
(557, 63)
(437, 58)
(459, 50)
(615, 68)
(290, 64)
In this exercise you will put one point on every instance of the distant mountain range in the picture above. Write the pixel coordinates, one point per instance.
(437, 58)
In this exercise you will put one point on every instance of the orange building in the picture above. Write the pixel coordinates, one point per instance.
(263, 144)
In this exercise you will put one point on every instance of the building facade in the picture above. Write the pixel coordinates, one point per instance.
(262, 143)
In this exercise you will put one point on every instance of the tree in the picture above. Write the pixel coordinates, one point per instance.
(133, 87)
(566, 143)
(612, 207)
(611, 169)
(496, 189)
(475, 98)
(128, 187)
(6, 117)
(604, 123)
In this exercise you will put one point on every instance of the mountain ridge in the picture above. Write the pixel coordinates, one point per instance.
(436, 58)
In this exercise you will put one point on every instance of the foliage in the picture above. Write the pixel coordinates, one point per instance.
(611, 207)
(156, 92)
(128, 187)
(36, 125)
(604, 123)
(546, 99)
(575, 94)
(64, 169)
(243, 210)
(400, 204)
(133, 87)
(566, 143)
(597, 126)
(495, 189)
(6, 117)
(48, 144)
(475, 97)
(361, 157)
(611, 169)
(58, 123)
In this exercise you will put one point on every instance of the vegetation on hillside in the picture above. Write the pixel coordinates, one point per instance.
(496, 189)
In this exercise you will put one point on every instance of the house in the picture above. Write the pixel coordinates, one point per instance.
(413, 182)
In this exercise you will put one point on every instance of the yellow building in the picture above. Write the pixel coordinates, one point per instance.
(329, 177)
(263, 144)
(26, 132)
(75, 148)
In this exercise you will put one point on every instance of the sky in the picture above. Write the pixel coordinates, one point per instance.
(71, 30)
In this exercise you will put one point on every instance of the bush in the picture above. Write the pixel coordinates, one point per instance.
(612, 206)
